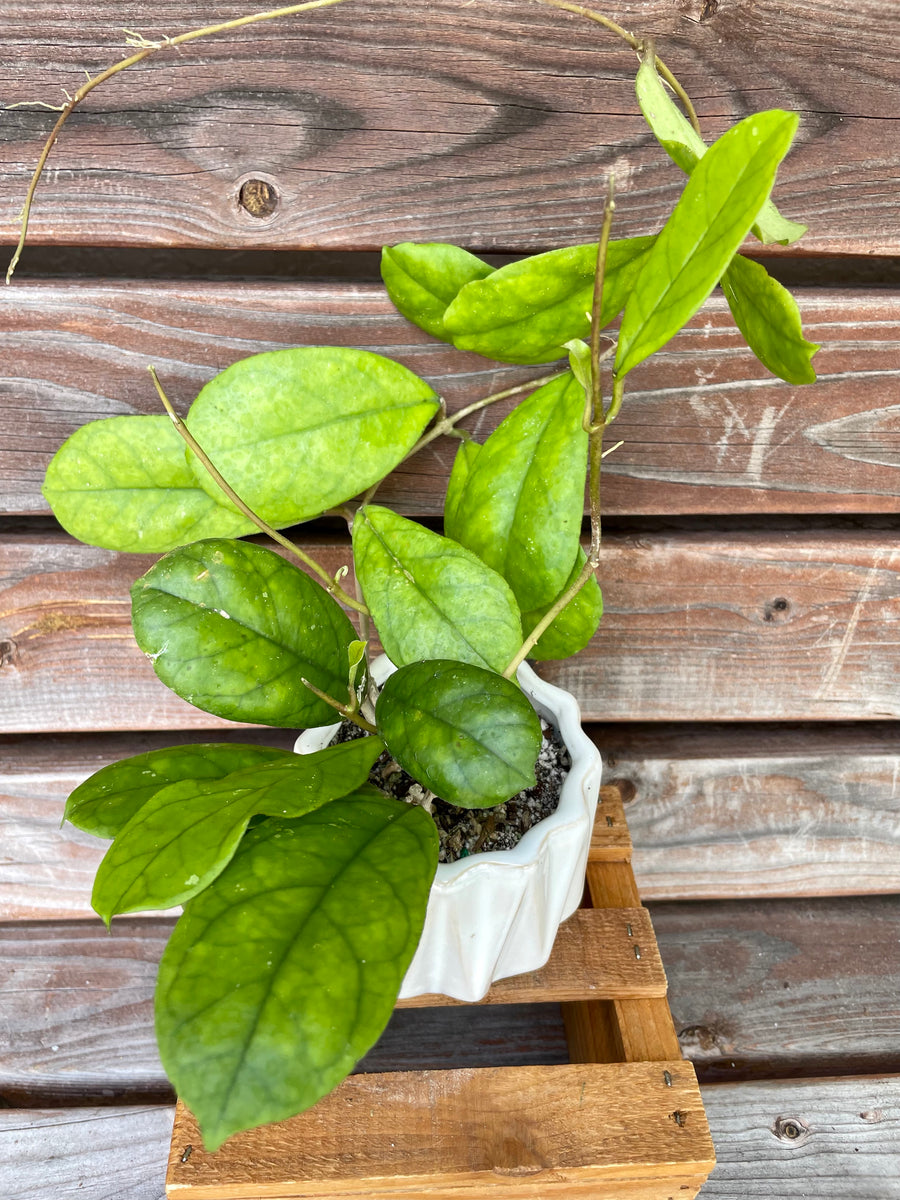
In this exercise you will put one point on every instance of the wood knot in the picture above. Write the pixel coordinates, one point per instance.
(790, 1129)
(697, 10)
(9, 652)
(258, 197)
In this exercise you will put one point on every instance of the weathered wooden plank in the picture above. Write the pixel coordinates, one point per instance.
(847, 1146)
(759, 810)
(90, 1153)
(748, 626)
(489, 124)
(77, 1014)
(743, 811)
(764, 988)
(706, 429)
(796, 1140)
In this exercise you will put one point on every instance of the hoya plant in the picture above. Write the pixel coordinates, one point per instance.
(304, 887)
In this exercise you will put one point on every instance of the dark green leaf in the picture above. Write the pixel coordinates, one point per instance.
(283, 973)
(233, 629)
(429, 597)
(423, 278)
(186, 834)
(574, 627)
(469, 735)
(685, 146)
(767, 315)
(107, 801)
(123, 483)
(456, 484)
(717, 207)
(524, 498)
(295, 432)
(527, 311)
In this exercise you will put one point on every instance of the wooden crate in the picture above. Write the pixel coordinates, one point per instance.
(623, 1120)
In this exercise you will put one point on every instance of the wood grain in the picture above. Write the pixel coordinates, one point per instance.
(89, 1153)
(89, 994)
(742, 811)
(604, 1130)
(705, 428)
(778, 987)
(847, 1146)
(748, 626)
(487, 124)
(759, 810)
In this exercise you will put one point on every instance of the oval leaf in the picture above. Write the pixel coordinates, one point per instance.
(429, 597)
(527, 311)
(106, 802)
(470, 736)
(233, 629)
(524, 498)
(295, 432)
(283, 973)
(186, 834)
(767, 315)
(713, 216)
(422, 279)
(574, 627)
(123, 483)
(684, 146)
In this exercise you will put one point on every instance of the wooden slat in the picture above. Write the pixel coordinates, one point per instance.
(706, 428)
(749, 626)
(94, 1153)
(604, 1130)
(847, 1148)
(759, 810)
(493, 129)
(850, 1150)
(593, 958)
(795, 987)
(740, 812)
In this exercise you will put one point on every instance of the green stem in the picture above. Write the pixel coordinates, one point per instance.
(146, 50)
(346, 712)
(331, 585)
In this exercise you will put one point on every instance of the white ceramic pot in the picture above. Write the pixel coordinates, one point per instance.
(496, 914)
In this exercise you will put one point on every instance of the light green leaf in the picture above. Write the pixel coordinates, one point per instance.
(685, 147)
(456, 484)
(187, 833)
(574, 627)
(107, 801)
(295, 432)
(524, 498)
(767, 315)
(423, 278)
(284, 972)
(233, 629)
(429, 597)
(470, 736)
(123, 483)
(527, 311)
(717, 207)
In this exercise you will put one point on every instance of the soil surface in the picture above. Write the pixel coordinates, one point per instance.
(465, 831)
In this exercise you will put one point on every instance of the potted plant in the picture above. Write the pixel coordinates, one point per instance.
(305, 887)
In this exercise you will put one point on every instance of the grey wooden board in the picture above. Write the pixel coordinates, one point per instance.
(762, 988)
(740, 811)
(494, 124)
(89, 1153)
(789, 625)
(848, 1148)
(706, 429)
(759, 810)
(76, 1020)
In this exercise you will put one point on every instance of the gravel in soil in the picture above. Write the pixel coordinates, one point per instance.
(465, 831)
